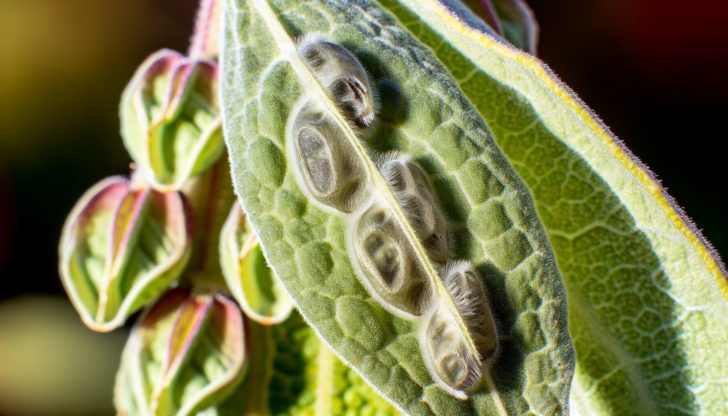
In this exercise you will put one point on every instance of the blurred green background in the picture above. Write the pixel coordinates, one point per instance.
(655, 71)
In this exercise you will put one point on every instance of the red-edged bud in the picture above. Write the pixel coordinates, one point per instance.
(121, 247)
(185, 356)
(170, 118)
(253, 283)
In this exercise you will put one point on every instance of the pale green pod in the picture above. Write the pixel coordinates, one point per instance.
(324, 160)
(170, 118)
(456, 353)
(186, 355)
(121, 247)
(251, 281)
(343, 76)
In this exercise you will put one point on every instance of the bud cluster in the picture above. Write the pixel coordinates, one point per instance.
(127, 241)
(171, 240)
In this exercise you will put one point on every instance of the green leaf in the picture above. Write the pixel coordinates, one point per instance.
(185, 355)
(491, 221)
(248, 276)
(647, 295)
(122, 246)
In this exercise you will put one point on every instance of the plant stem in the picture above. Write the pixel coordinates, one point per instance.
(210, 194)
(205, 42)
(211, 197)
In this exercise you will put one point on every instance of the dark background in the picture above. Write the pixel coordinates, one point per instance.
(655, 71)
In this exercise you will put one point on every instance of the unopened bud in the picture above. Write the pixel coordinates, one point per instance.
(170, 117)
(184, 357)
(252, 282)
(121, 247)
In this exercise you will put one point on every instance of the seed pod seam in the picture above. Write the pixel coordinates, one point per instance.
(318, 91)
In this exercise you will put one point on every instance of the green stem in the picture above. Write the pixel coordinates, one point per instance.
(211, 197)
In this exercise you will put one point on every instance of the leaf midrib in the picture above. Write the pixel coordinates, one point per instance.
(289, 51)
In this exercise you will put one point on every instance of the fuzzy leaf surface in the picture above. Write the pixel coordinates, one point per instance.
(423, 114)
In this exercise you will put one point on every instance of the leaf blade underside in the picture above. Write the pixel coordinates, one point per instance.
(647, 294)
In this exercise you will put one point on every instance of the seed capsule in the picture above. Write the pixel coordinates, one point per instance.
(456, 358)
(318, 160)
(414, 193)
(344, 77)
(387, 264)
(325, 160)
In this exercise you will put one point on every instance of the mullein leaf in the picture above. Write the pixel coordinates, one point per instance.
(306, 163)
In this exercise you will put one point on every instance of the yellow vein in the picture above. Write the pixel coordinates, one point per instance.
(493, 392)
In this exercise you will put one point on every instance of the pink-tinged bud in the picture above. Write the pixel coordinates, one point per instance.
(185, 356)
(121, 247)
(511, 19)
(519, 23)
(170, 118)
(251, 281)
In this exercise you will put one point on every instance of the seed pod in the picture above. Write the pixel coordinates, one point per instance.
(253, 283)
(455, 355)
(325, 161)
(386, 263)
(170, 118)
(342, 74)
(416, 198)
(121, 247)
(183, 357)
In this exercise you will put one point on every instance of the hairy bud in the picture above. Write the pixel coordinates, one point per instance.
(121, 247)
(170, 118)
